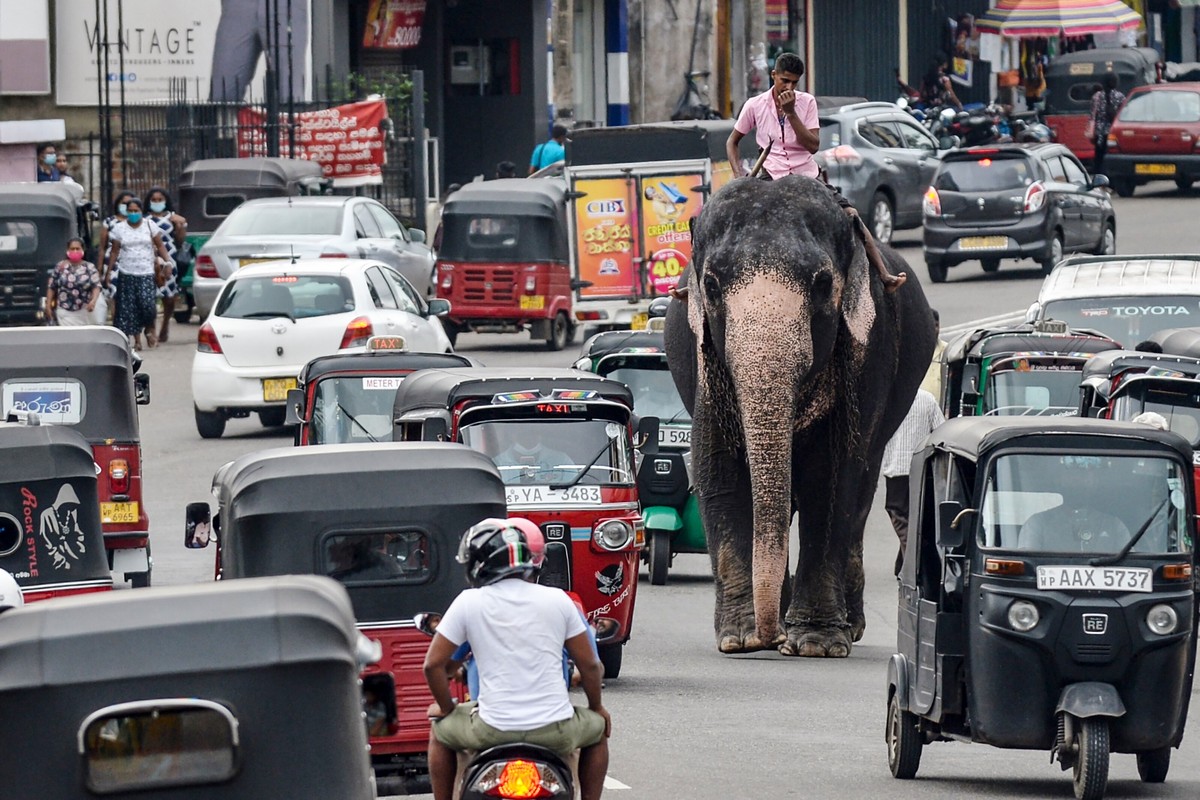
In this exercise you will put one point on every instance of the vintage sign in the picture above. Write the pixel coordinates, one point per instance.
(394, 24)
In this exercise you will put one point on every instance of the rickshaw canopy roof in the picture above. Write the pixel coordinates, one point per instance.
(654, 141)
(610, 342)
(446, 388)
(43, 452)
(989, 342)
(509, 197)
(380, 361)
(247, 172)
(1137, 61)
(52, 199)
(1179, 341)
(1161, 370)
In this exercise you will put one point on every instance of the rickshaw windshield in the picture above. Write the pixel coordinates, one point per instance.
(1032, 390)
(1128, 320)
(353, 409)
(1180, 409)
(1085, 504)
(548, 451)
(654, 393)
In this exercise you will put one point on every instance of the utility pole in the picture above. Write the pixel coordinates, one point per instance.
(562, 27)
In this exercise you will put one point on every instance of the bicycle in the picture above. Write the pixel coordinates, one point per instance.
(693, 102)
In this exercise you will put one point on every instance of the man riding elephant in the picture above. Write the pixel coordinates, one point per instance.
(797, 366)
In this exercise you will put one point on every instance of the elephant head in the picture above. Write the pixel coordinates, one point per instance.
(780, 304)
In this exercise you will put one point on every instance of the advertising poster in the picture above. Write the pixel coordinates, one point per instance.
(964, 37)
(668, 206)
(394, 24)
(347, 141)
(604, 225)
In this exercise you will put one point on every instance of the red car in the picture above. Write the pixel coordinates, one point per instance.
(1156, 136)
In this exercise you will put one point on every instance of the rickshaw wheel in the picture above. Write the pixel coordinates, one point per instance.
(556, 337)
(660, 557)
(610, 657)
(1091, 761)
(903, 741)
(1154, 764)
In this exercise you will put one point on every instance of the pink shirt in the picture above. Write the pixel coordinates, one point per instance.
(760, 114)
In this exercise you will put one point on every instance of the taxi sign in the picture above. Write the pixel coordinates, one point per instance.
(386, 344)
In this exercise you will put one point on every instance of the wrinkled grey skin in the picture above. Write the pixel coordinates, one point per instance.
(805, 367)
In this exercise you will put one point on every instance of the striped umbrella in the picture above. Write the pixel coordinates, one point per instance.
(1028, 18)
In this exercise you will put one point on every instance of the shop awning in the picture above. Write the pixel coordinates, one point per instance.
(1029, 18)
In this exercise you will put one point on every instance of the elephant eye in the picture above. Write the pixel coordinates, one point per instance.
(823, 284)
(712, 288)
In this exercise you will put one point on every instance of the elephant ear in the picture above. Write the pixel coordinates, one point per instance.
(858, 305)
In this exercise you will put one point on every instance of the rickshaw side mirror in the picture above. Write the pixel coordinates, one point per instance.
(435, 430)
(646, 440)
(577, 284)
(141, 388)
(952, 524)
(427, 622)
(198, 528)
(294, 409)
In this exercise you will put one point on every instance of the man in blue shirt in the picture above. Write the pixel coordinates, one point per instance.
(47, 158)
(549, 152)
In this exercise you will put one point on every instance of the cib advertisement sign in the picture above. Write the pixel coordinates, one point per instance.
(165, 42)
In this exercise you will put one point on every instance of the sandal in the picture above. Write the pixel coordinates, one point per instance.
(162, 335)
(151, 341)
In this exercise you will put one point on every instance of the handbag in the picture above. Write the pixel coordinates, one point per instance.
(162, 271)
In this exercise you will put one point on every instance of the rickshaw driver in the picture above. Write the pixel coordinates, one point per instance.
(517, 631)
(527, 450)
(1077, 524)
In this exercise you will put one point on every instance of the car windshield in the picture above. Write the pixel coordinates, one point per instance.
(831, 133)
(291, 296)
(283, 220)
(545, 451)
(1128, 320)
(354, 408)
(1162, 106)
(1091, 504)
(983, 174)
(1181, 409)
(654, 392)
(1032, 390)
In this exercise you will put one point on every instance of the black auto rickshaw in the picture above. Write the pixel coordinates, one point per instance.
(86, 378)
(231, 690)
(385, 520)
(504, 262)
(211, 188)
(1046, 596)
(1023, 371)
(348, 397)
(670, 511)
(50, 538)
(36, 220)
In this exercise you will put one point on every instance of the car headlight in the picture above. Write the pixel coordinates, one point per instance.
(1023, 616)
(1162, 619)
(614, 534)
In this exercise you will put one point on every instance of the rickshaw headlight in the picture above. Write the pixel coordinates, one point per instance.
(1162, 620)
(614, 534)
(1023, 616)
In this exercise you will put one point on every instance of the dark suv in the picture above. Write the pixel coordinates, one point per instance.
(1014, 201)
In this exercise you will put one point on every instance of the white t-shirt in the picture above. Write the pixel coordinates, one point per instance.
(137, 254)
(516, 630)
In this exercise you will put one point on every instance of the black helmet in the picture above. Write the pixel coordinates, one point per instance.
(495, 549)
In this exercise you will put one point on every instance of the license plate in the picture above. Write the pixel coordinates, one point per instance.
(544, 496)
(1154, 169)
(119, 512)
(275, 389)
(983, 243)
(675, 436)
(245, 262)
(532, 302)
(639, 321)
(1095, 579)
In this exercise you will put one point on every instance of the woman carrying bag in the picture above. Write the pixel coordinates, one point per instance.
(1105, 105)
(141, 258)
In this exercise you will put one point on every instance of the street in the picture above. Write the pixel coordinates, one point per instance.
(689, 722)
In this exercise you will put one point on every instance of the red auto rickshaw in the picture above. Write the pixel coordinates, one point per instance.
(563, 441)
(503, 260)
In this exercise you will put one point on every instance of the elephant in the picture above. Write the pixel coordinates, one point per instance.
(797, 367)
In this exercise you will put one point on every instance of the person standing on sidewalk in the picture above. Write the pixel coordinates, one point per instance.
(922, 418)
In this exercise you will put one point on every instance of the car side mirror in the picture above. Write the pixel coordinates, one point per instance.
(952, 523)
(1099, 181)
(417, 235)
(294, 409)
(438, 307)
(947, 142)
(141, 388)
(1031, 313)
(198, 526)
(646, 438)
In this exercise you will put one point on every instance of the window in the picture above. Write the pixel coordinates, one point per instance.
(283, 220)
(914, 138)
(879, 133)
(1054, 169)
(292, 296)
(18, 236)
(56, 401)
(492, 232)
(528, 451)
(381, 292)
(353, 409)
(406, 298)
(391, 556)
(388, 225)
(1083, 92)
(983, 175)
(365, 226)
(1162, 106)
(1075, 173)
(222, 205)
(831, 133)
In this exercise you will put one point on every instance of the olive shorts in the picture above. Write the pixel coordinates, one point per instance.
(463, 729)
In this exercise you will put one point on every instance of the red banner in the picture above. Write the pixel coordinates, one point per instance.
(394, 24)
(347, 141)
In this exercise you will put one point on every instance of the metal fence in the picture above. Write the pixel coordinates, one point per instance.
(152, 142)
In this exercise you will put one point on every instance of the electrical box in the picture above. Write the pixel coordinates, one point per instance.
(470, 64)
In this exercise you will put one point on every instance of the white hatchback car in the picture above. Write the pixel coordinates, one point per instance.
(271, 319)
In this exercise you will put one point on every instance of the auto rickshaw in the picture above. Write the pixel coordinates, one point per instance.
(670, 511)
(563, 441)
(348, 397)
(211, 188)
(87, 378)
(50, 538)
(231, 690)
(1072, 79)
(1046, 597)
(1022, 371)
(36, 220)
(384, 520)
(503, 260)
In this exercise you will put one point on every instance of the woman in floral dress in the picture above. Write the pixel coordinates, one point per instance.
(174, 229)
(74, 288)
(135, 245)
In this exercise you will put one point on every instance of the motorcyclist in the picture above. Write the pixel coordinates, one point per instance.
(517, 631)
(10, 592)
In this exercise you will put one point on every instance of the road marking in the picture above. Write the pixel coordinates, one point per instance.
(612, 783)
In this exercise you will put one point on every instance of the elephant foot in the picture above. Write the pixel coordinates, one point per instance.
(821, 643)
(858, 626)
(748, 642)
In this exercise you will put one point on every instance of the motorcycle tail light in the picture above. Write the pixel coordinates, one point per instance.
(357, 333)
(1035, 197)
(206, 340)
(1023, 616)
(933, 203)
(118, 476)
(614, 534)
(844, 154)
(1177, 572)
(518, 779)
(205, 268)
(1162, 620)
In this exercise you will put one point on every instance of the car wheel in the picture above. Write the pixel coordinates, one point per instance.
(1154, 765)
(903, 741)
(1184, 184)
(883, 219)
(937, 270)
(990, 264)
(1054, 255)
(1108, 241)
(610, 657)
(272, 417)
(556, 336)
(210, 424)
(1124, 187)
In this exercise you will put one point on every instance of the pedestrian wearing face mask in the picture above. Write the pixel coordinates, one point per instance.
(173, 228)
(47, 160)
(135, 245)
(109, 279)
(74, 288)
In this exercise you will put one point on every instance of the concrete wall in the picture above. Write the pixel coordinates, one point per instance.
(660, 40)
